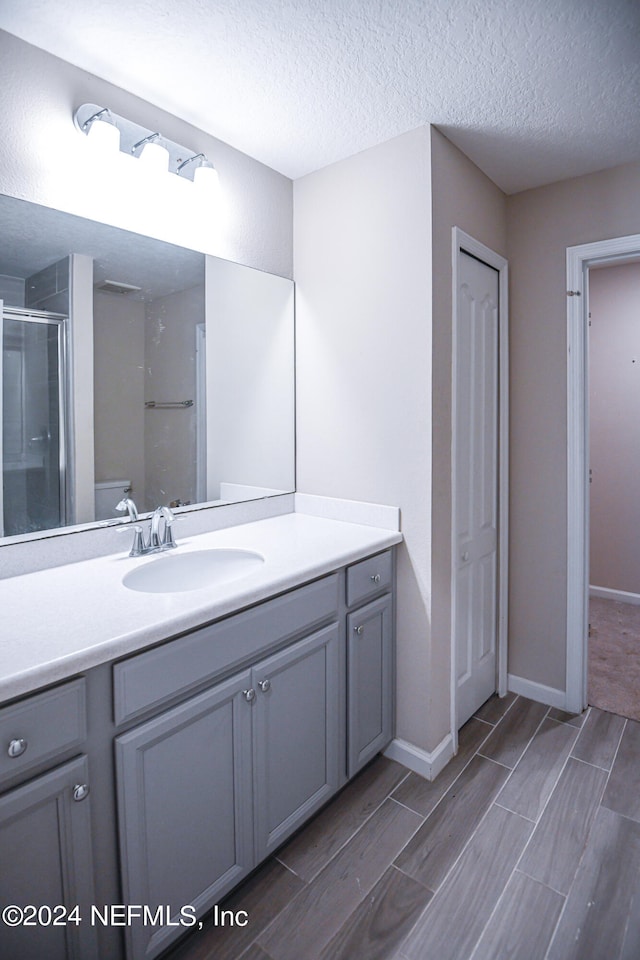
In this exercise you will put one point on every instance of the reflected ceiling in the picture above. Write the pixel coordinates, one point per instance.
(40, 236)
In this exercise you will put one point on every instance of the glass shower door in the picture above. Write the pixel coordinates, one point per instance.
(33, 442)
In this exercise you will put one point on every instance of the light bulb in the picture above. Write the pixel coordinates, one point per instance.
(206, 177)
(155, 157)
(104, 135)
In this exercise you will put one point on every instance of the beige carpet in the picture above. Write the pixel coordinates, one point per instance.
(614, 657)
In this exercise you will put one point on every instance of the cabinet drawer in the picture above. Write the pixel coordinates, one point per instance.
(369, 577)
(159, 675)
(41, 727)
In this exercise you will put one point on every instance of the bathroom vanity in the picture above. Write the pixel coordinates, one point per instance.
(169, 742)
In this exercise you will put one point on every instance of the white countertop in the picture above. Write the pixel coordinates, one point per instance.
(63, 620)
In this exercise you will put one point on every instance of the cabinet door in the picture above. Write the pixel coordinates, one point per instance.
(370, 681)
(45, 861)
(297, 734)
(184, 809)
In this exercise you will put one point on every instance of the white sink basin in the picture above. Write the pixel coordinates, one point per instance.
(177, 572)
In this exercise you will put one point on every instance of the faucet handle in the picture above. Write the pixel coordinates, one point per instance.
(168, 541)
(169, 519)
(139, 546)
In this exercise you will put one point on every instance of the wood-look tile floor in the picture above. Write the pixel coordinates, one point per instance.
(526, 847)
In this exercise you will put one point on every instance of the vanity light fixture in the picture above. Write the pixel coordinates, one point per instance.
(152, 153)
(102, 130)
(200, 170)
(151, 147)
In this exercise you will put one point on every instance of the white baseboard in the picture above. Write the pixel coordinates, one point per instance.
(537, 691)
(605, 593)
(420, 761)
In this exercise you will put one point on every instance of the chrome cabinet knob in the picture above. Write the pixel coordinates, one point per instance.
(17, 747)
(359, 630)
(249, 694)
(80, 792)
(375, 577)
(265, 685)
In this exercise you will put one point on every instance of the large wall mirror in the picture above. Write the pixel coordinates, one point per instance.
(130, 365)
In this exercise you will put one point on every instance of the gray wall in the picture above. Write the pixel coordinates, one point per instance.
(250, 394)
(614, 426)
(146, 351)
(118, 392)
(82, 386)
(12, 290)
(542, 223)
(170, 374)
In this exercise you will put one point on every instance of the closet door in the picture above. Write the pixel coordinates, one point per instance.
(475, 561)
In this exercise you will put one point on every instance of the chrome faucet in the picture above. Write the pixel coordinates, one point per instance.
(155, 542)
(166, 542)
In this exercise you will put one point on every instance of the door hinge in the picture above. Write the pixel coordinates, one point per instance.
(573, 293)
(590, 476)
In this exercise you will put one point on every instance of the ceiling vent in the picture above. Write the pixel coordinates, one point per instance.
(115, 286)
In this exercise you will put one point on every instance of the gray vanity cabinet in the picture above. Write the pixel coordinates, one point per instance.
(297, 735)
(185, 808)
(46, 857)
(207, 789)
(45, 861)
(369, 660)
(217, 744)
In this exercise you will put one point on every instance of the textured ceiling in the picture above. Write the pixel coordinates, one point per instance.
(532, 90)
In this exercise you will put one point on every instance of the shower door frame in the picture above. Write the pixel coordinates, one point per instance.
(62, 323)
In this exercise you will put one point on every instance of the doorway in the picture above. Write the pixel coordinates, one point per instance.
(613, 665)
(580, 260)
(479, 457)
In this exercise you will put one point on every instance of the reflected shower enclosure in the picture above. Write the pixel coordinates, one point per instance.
(33, 493)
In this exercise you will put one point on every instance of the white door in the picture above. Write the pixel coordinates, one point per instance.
(475, 513)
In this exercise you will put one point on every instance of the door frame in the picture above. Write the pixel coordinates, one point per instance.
(461, 241)
(579, 259)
